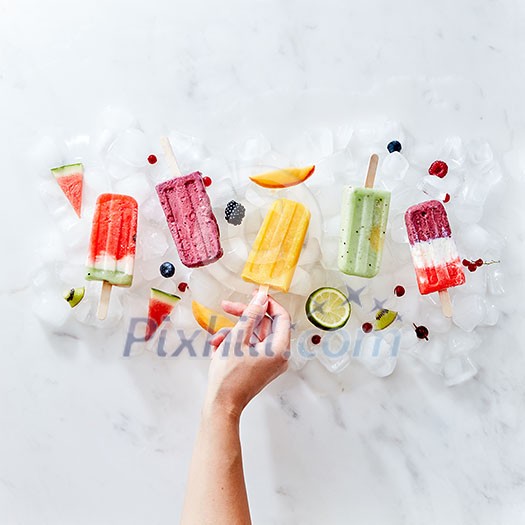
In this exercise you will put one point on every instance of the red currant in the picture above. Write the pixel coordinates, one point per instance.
(207, 181)
(182, 287)
(316, 339)
(399, 291)
(479, 262)
(152, 159)
(447, 198)
(367, 327)
(472, 267)
(465, 262)
(438, 168)
(421, 332)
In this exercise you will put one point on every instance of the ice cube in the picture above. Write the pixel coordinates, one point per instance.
(78, 148)
(206, 289)
(472, 240)
(436, 322)
(492, 316)
(332, 226)
(467, 212)
(334, 352)
(379, 351)
(432, 353)
(252, 149)
(96, 182)
(53, 197)
(398, 229)
(476, 282)
(153, 243)
(118, 119)
(468, 311)
(129, 149)
(496, 280)
(330, 250)
(480, 153)
(76, 232)
(256, 197)
(394, 167)
(46, 154)
(422, 155)
(151, 210)
(458, 369)
(189, 151)
(51, 308)
(235, 254)
(342, 136)
(453, 151)
(311, 253)
(51, 248)
(301, 282)
(70, 274)
(429, 186)
(137, 186)
(460, 342)
(312, 146)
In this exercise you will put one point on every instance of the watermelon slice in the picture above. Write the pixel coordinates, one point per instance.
(160, 306)
(71, 180)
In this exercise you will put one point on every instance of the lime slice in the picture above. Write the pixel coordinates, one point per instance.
(328, 308)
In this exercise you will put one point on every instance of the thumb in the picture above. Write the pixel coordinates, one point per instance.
(250, 318)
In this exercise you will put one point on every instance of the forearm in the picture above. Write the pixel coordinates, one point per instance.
(216, 492)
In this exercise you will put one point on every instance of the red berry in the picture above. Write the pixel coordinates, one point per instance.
(479, 262)
(399, 291)
(421, 332)
(152, 159)
(438, 168)
(367, 327)
(182, 287)
(472, 267)
(207, 181)
(316, 339)
(447, 198)
(465, 262)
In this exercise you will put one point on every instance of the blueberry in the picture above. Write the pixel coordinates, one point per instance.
(167, 270)
(395, 145)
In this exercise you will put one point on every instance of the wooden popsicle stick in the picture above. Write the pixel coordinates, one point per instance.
(446, 304)
(263, 289)
(372, 169)
(103, 304)
(170, 156)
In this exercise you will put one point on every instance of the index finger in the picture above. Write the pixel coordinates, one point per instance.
(281, 325)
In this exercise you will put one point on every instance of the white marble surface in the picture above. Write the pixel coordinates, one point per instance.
(89, 437)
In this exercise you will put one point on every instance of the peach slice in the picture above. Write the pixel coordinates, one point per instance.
(209, 320)
(283, 178)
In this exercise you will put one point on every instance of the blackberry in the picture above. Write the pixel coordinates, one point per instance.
(234, 213)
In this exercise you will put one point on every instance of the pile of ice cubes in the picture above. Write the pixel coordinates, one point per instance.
(115, 158)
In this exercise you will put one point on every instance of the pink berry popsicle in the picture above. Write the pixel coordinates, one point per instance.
(189, 215)
(112, 248)
(434, 252)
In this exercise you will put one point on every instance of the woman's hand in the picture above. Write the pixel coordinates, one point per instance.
(250, 355)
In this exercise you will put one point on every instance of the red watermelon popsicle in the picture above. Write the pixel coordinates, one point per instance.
(434, 253)
(71, 179)
(113, 242)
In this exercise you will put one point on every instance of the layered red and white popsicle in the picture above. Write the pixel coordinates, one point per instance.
(113, 240)
(434, 253)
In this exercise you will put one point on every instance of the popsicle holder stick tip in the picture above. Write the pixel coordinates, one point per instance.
(103, 304)
(446, 304)
(170, 156)
(372, 169)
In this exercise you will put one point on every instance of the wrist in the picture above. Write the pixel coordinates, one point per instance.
(219, 409)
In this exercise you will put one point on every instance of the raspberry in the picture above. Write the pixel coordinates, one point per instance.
(438, 168)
